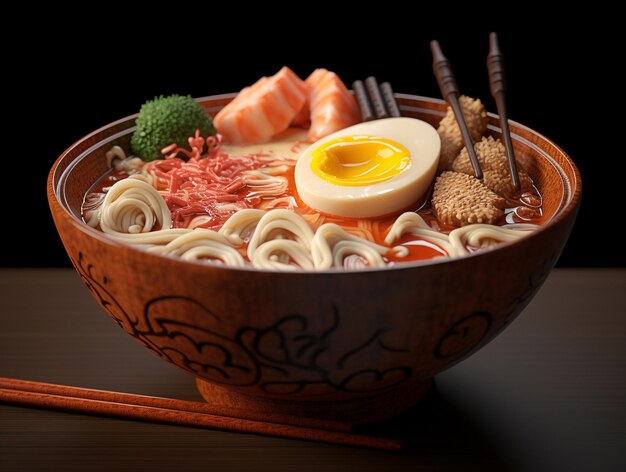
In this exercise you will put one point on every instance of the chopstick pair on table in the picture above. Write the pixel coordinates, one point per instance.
(184, 413)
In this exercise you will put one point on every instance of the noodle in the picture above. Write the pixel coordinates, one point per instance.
(414, 224)
(277, 254)
(238, 228)
(478, 234)
(264, 185)
(288, 203)
(344, 253)
(330, 234)
(202, 244)
(133, 206)
(279, 224)
(91, 208)
(113, 154)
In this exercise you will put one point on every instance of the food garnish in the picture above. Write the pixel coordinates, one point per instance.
(168, 120)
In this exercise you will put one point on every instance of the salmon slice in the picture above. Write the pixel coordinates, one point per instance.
(263, 109)
(332, 106)
(303, 117)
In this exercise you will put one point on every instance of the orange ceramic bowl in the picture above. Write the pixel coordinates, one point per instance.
(355, 345)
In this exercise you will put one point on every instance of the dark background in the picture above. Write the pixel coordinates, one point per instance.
(73, 77)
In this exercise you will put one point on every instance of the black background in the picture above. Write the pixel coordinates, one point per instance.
(68, 77)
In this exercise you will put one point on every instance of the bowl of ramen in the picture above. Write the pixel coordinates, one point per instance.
(294, 259)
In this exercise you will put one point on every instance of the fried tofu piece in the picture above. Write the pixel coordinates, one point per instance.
(460, 199)
(451, 140)
(491, 155)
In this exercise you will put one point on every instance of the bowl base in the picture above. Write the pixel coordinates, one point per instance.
(357, 411)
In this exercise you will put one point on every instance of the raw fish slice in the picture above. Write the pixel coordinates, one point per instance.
(262, 110)
(332, 106)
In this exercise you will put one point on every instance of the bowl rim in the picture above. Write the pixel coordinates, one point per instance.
(564, 210)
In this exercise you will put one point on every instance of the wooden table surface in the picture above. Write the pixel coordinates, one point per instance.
(547, 394)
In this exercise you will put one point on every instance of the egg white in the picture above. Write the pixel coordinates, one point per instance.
(390, 196)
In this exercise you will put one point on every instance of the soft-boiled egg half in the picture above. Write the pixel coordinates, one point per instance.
(370, 169)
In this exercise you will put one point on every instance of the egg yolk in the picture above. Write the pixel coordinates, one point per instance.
(359, 160)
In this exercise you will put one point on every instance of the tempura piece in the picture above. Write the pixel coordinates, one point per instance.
(450, 133)
(493, 161)
(460, 199)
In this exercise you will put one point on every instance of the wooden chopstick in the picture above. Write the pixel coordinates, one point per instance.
(171, 404)
(376, 98)
(390, 99)
(375, 102)
(100, 403)
(450, 92)
(497, 84)
(367, 114)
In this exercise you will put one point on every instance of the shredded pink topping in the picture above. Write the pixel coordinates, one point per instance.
(205, 185)
(296, 147)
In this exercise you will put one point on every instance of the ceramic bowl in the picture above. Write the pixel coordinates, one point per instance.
(358, 345)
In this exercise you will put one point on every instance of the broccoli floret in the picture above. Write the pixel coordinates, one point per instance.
(167, 120)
